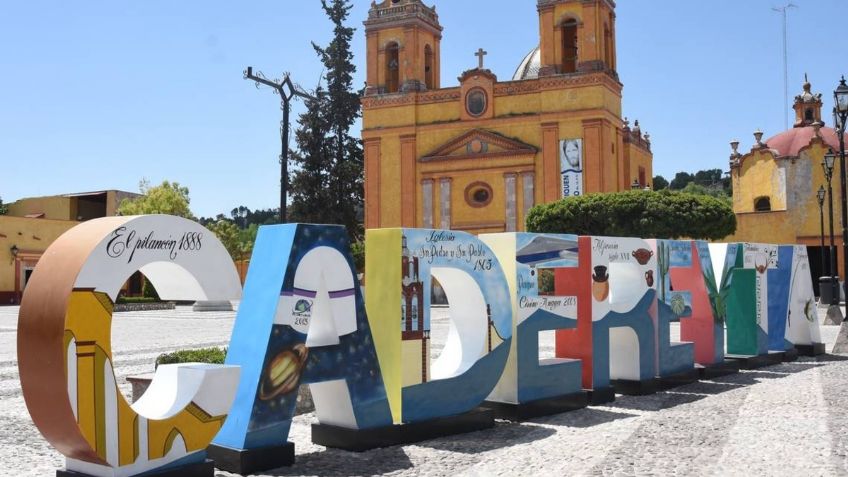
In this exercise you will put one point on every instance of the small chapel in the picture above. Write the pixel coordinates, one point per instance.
(775, 184)
(477, 156)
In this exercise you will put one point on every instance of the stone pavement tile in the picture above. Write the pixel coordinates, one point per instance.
(834, 388)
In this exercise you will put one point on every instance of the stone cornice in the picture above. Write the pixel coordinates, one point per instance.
(413, 12)
(506, 88)
(543, 4)
(511, 147)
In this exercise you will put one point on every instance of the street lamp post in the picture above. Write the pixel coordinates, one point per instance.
(827, 166)
(287, 90)
(820, 195)
(840, 114)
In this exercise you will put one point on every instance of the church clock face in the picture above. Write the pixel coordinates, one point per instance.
(476, 102)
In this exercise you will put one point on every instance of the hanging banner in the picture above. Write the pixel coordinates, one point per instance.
(571, 167)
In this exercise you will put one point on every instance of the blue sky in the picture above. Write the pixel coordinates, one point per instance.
(99, 94)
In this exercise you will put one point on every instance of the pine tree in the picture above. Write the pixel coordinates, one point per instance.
(328, 184)
(310, 181)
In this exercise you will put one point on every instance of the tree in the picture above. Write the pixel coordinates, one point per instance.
(244, 217)
(228, 233)
(327, 186)
(310, 184)
(680, 180)
(715, 191)
(713, 179)
(660, 183)
(4, 209)
(238, 242)
(646, 214)
(168, 198)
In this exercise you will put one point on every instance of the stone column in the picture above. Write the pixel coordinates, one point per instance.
(593, 155)
(408, 184)
(445, 202)
(551, 168)
(427, 202)
(527, 179)
(511, 206)
(372, 183)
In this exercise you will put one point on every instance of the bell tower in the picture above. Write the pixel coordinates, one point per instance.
(808, 107)
(577, 36)
(404, 46)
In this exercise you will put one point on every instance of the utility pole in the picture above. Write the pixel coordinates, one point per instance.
(287, 90)
(783, 10)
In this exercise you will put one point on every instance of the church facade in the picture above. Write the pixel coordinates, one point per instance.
(775, 185)
(477, 156)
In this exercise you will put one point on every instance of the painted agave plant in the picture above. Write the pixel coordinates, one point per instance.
(663, 263)
(810, 310)
(717, 299)
(678, 304)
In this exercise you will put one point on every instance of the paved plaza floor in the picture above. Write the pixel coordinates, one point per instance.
(790, 419)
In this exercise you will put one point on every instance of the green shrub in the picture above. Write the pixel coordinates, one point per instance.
(357, 249)
(149, 291)
(204, 355)
(663, 215)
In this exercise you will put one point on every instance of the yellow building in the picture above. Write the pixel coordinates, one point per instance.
(477, 156)
(32, 224)
(78, 207)
(775, 184)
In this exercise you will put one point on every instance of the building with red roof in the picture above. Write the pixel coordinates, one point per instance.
(775, 183)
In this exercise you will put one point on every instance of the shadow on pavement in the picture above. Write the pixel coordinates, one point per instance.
(830, 358)
(707, 388)
(584, 418)
(337, 463)
(502, 436)
(655, 402)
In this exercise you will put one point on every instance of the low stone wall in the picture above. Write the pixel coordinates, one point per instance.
(165, 305)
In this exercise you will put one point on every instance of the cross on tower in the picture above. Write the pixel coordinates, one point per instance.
(480, 54)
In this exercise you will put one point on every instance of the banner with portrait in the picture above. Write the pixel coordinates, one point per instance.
(571, 166)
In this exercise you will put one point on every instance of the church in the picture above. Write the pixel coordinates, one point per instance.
(476, 157)
(776, 181)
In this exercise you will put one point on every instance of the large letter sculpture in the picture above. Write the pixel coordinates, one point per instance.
(802, 324)
(705, 327)
(302, 321)
(779, 282)
(527, 379)
(65, 355)
(615, 284)
(744, 292)
(400, 266)
(675, 304)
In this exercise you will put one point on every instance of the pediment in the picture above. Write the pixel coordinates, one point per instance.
(480, 143)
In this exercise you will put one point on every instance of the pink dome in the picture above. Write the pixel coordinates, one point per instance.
(789, 143)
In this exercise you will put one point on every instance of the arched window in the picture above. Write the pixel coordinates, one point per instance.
(808, 114)
(608, 56)
(569, 46)
(392, 68)
(428, 68)
(762, 204)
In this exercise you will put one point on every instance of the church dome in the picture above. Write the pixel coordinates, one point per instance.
(808, 106)
(789, 143)
(529, 67)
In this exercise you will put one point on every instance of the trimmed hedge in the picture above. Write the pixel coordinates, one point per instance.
(663, 215)
(123, 300)
(204, 355)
